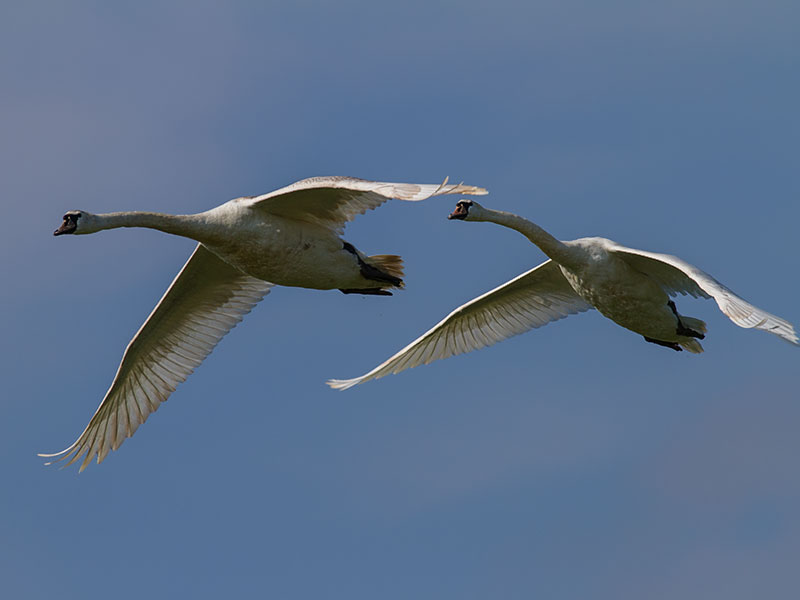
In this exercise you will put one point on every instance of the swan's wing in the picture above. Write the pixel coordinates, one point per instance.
(678, 276)
(332, 201)
(204, 302)
(530, 300)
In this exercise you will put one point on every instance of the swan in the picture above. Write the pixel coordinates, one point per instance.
(288, 237)
(629, 286)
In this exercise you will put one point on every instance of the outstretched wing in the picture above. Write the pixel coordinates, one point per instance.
(530, 300)
(204, 302)
(332, 201)
(678, 276)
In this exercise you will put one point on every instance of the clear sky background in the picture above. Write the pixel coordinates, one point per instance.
(574, 461)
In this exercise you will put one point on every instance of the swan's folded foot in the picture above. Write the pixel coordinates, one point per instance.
(674, 308)
(367, 291)
(683, 330)
(375, 274)
(386, 268)
(672, 345)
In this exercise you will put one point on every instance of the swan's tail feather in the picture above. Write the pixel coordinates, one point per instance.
(694, 324)
(691, 344)
(390, 265)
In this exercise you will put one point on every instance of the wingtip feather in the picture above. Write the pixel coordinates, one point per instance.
(343, 384)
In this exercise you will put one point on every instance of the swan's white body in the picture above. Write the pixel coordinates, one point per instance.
(631, 287)
(287, 237)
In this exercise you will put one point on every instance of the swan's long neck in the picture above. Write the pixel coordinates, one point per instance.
(191, 226)
(552, 247)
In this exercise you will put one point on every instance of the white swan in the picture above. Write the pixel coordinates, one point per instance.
(247, 245)
(631, 287)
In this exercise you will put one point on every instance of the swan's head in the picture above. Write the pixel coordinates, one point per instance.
(77, 221)
(467, 210)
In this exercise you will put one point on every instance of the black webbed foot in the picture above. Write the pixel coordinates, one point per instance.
(682, 329)
(371, 272)
(674, 309)
(367, 291)
(688, 332)
(672, 345)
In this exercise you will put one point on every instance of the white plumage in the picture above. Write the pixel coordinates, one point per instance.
(246, 246)
(631, 287)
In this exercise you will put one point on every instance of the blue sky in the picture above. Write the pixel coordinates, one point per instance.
(573, 461)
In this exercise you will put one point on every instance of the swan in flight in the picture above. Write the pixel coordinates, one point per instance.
(631, 287)
(247, 245)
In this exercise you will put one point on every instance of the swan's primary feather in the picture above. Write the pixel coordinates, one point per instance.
(333, 201)
(582, 274)
(204, 302)
(678, 276)
(288, 236)
(530, 300)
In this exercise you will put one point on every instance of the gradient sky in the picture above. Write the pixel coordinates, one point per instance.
(574, 461)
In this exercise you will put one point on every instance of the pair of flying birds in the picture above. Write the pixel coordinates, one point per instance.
(292, 237)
